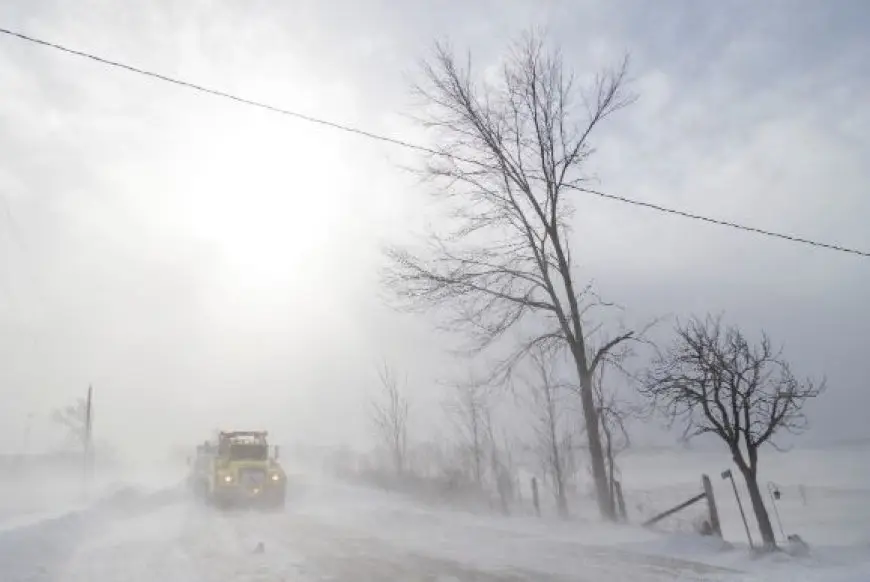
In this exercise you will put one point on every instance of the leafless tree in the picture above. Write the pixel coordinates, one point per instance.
(573, 454)
(74, 419)
(614, 415)
(470, 410)
(511, 156)
(390, 417)
(715, 381)
(549, 406)
(500, 463)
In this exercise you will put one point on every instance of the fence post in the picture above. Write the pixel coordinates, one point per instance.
(711, 504)
(535, 499)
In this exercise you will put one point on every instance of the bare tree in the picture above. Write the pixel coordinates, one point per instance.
(715, 382)
(510, 154)
(548, 403)
(74, 419)
(614, 415)
(573, 453)
(469, 409)
(500, 463)
(390, 417)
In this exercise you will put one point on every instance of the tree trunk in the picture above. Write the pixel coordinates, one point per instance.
(610, 467)
(768, 538)
(478, 461)
(558, 475)
(561, 498)
(478, 473)
(398, 459)
(596, 455)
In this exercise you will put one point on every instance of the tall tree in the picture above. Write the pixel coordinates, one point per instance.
(510, 157)
(714, 381)
(548, 404)
(469, 408)
(389, 413)
(500, 463)
(614, 415)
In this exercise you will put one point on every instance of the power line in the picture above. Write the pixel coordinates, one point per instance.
(420, 148)
(720, 222)
(222, 94)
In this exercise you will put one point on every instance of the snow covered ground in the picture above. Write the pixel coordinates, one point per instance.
(48, 493)
(825, 492)
(582, 549)
(337, 532)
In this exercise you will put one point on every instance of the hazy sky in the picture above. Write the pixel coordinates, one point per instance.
(207, 264)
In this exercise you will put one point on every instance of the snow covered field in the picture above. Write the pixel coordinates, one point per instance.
(825, 493)
(332, 531)
(47, 493)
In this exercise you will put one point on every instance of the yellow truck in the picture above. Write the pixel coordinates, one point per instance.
(239, 469)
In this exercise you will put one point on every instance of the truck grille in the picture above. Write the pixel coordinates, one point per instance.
(252, 478)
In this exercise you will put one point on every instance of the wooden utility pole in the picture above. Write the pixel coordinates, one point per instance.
(87, 447)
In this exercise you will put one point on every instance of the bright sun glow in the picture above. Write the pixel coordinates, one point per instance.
(263, 193)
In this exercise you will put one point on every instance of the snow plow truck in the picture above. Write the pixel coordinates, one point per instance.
(238, 469)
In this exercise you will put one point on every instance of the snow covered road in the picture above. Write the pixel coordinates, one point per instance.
(171, 539)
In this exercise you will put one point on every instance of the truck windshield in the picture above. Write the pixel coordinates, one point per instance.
(253, 452)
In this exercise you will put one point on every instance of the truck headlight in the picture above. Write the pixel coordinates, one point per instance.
(276, 477)
(228, 478)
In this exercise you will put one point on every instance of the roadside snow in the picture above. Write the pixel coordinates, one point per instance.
(29, 500)
(566, 549)
(574, 550)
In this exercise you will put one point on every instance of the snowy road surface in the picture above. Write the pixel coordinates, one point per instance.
(171, 539)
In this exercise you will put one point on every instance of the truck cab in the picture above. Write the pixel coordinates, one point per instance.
(239, 468)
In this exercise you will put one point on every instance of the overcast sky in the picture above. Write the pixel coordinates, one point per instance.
(207, 264)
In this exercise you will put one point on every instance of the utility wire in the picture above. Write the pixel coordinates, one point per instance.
(420, 148)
